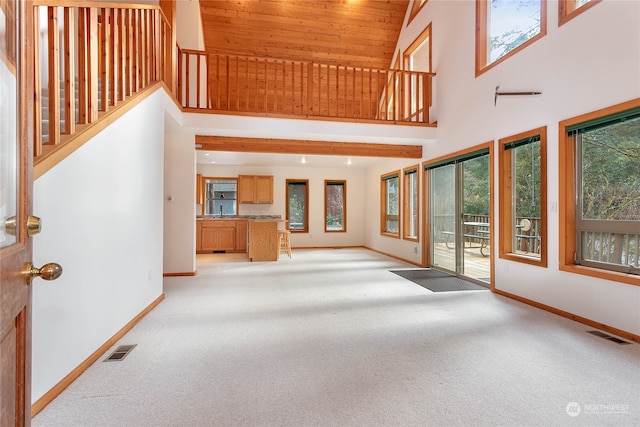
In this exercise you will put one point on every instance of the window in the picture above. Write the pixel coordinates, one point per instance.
(523, 197)
(220, 196)
(569, 9)
(600, 193)
(390, 204)
(416, 8)
(411, 210)
(417, 57)
(506, 26)
(298, 205)
(335, 208)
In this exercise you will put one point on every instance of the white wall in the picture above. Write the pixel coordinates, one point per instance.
(590, 63)
(179, 203)
(317, 237)
(101, 210)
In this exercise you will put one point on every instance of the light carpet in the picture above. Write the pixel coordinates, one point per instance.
(333, 338)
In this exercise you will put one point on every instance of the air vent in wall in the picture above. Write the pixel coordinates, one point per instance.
(120, 353)
(608, 337)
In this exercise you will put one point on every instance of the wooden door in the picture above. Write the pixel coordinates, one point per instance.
(264, 189)
(16, 76)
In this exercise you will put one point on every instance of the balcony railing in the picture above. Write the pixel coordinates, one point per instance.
(271, 87)
(90, 58)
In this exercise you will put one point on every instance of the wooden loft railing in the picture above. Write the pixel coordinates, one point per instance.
(91, 57)
(269, 87)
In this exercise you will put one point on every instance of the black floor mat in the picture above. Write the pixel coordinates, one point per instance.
(438, 281)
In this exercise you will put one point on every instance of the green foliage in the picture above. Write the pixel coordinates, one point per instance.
(527, 182)
(476, 186)
(611, 172)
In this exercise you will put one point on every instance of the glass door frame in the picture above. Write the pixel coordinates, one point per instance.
(458, 233)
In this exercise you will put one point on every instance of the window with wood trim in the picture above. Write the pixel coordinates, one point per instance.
(298, 205)
(220, 196)
(390, 204)
(504, 27)
(335, 206)
(523, 197)
(411, 210)
(416, 7)
(417, 57)
(569, 9)
(600, 193)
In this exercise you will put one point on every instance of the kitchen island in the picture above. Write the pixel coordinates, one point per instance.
(255, 234)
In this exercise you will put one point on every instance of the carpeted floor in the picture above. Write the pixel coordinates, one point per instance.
(331, 338)
(438, 281)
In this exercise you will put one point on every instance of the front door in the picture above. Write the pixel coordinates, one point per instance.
(16, 224)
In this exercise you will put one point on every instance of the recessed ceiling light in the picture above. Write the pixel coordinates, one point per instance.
(207, 154)
(304, 160)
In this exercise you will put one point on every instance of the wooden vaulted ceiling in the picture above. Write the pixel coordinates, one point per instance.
(358, 33)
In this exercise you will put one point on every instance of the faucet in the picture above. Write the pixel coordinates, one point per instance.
(220, 210)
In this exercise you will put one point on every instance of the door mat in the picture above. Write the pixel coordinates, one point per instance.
(438, 281)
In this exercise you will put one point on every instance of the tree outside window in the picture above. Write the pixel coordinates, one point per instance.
(298, 205)
(523, 197)
(390, 209)
(335, 206)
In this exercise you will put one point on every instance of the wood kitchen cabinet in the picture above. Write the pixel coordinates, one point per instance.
(255, 189)
(221, 235)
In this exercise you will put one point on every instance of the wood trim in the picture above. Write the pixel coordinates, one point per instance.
(53, 156)
(392, 256)
(505, 199)
(184, 274)
(294, 146)
(567, 10)
(41, 403)
(383, 204)
(426, 34)
(342, 182)
(405, 203)
(91, 4)
(481, 37)
(619, 332)
(566, 197)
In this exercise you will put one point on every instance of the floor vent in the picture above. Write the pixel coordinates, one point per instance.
(608, 337)
(120, 353)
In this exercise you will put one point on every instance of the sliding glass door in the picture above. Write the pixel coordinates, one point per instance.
(459, 206)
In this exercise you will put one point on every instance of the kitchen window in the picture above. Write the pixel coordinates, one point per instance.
(220, 196)
(298, 205)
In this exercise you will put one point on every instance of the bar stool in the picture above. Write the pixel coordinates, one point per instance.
(283, 238)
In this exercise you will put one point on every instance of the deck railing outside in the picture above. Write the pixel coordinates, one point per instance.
(90, 58)
(272, 87)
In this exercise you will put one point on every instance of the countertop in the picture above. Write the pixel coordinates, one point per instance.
(237, 217)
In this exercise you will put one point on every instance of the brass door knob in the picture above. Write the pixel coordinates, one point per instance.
(50, 271)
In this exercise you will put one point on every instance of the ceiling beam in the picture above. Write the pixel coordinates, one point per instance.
(296, 146)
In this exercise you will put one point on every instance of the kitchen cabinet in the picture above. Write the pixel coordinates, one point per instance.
(255, 189)
(221, 235)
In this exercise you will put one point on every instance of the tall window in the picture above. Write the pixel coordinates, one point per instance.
(417, 57)
(220, 196)
(568, 9)
(390, 204)
(298, 205)
(601, 163)
(410, 198)
(335, 208)
(505, 27)
(523, 197)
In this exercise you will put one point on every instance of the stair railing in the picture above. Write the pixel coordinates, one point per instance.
(90, 57)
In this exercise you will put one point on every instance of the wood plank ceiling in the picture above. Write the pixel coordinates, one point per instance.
(357, 33)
